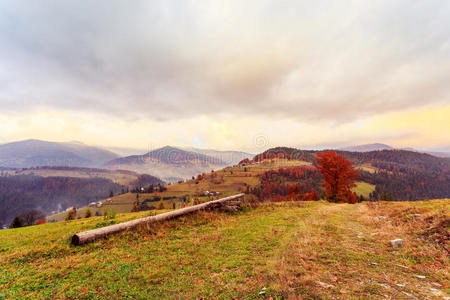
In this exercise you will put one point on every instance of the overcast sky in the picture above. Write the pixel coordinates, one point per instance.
(226, 74)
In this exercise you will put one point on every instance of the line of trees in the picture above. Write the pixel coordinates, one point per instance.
(293, 183)
(19, 194)
(28, 218)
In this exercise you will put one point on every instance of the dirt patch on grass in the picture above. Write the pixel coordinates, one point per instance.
(343, 251)
(438, 231)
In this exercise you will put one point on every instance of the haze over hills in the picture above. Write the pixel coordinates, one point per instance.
(168, 163)
(32, 153)
(126, 151)
(53, 189)
(367, 147)
(228, 157)
(380, 147)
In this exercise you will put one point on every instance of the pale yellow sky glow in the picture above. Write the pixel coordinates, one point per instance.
(244, 75)
(412, 128)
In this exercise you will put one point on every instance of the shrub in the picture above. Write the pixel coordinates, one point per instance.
(41, 221)
(88, 213)
(109, 214)
(160, 205)
(70, 215)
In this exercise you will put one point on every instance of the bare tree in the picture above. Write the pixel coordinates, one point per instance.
(30, 217)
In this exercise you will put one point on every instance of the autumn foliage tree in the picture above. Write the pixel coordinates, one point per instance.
(338, 177)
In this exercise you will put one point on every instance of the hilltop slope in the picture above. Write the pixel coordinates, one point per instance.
(291, 249)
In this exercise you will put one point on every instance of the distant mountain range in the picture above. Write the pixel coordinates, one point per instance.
(168, 163)
(33, 153)
(172, 164)
(379, 147)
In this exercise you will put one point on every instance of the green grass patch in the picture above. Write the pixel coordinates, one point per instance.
(363, 188)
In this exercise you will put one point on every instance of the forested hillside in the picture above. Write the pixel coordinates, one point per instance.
(19, 194)
(398, 174)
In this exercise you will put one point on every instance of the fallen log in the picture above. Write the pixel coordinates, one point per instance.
(91, 235)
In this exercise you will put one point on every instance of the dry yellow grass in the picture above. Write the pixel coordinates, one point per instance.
(344, 251)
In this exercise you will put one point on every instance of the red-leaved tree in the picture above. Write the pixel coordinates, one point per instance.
(338, 177)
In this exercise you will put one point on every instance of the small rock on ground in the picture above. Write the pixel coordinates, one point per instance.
(325, 285)
(397, 243)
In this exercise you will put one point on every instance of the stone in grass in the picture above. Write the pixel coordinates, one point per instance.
(263, 291)
(397, 243)
(325, 285)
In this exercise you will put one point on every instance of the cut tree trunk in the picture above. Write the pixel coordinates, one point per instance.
(91, 235)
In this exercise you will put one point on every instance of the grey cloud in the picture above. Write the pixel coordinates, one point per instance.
(173, 59)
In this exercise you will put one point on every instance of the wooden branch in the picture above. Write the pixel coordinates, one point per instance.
(91, 235)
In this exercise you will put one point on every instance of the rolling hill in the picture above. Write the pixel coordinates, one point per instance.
(399, 174)
(395, 174)
(33, 153)
(168, 163)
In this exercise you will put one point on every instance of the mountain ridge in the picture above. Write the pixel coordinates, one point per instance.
(381, 146)
(33, 153)
(168, 163)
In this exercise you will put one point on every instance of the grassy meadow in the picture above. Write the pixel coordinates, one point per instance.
(289, 249)
(363, 188)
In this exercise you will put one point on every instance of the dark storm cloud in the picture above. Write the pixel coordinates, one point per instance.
(174, 59)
